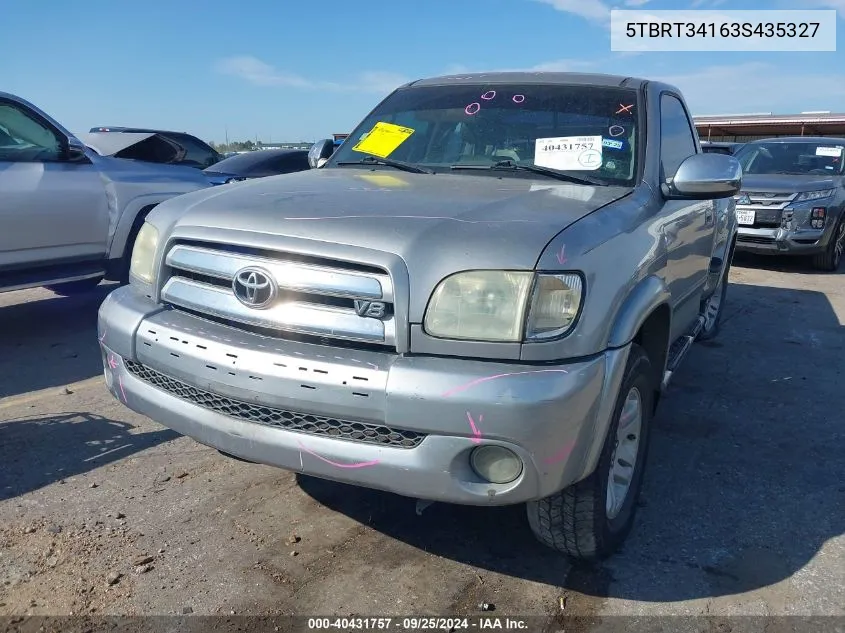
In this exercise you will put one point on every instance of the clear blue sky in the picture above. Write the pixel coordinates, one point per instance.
(290, 70)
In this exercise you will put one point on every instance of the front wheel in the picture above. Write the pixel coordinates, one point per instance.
(590, 520)
(830, 259)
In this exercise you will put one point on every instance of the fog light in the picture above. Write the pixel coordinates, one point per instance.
(496, 464)
(817, 217)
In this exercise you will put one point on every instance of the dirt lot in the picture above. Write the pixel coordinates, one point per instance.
(104, 512)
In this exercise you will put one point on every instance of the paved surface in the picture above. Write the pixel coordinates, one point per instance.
(743, 512)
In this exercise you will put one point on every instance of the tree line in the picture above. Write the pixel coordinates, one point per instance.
(248, 146)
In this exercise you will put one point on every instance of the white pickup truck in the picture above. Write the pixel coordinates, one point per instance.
(69, 215)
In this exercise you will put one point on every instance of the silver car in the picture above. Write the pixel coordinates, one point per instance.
(478, 299)
(70, 216)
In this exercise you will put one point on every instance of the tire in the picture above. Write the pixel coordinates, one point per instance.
(830, 259)
(73, 288)
(576, 521)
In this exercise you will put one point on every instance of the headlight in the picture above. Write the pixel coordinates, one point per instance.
(143, 253)
(492, 305)
(557, 300)
(480, 305)
(814, 195)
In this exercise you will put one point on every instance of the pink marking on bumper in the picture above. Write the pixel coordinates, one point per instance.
(479, 381)
(562, 454)
(476, 434)
(337, 464)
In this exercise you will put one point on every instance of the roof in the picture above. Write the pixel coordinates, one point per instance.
(249, 159)
(769, 125)
(826, 140)
(585, 79)
(769, 119)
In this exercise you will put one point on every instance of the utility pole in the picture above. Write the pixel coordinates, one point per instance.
(227, 137)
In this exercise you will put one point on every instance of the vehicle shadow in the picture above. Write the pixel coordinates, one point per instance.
(745, 474)
(49, 342)
(784, 264)
(38, 451)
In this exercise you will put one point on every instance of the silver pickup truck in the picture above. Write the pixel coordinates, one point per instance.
(477, 300)
(69, 215)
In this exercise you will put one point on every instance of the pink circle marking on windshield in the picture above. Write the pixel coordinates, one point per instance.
(472, 108)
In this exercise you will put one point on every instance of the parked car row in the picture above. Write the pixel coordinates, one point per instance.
(478, 297)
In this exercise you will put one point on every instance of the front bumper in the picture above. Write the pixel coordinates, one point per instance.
(781, 241)
(403, 424)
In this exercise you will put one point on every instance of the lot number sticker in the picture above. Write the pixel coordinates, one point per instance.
(383, 139)
(571, 153)
(834, 152)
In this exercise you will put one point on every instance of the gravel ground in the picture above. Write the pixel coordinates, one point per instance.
(103, 511)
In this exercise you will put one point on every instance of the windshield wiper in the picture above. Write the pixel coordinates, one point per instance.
(545, 171)
(389, 162)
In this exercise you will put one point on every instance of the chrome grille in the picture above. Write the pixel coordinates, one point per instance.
(270, 416)
(316, 298)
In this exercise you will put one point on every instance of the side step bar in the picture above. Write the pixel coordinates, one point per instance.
(679, 350)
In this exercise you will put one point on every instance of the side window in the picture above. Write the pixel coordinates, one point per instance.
(287, 164)
(677, 142)
(196, 155)
(24, 139)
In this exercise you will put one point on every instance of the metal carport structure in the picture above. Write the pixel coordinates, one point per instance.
(739, 128)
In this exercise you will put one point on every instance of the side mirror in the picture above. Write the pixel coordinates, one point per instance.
(321, 150)
(705, 177)
(75, 151)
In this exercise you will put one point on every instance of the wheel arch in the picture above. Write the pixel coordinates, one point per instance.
(645, 319)
(121, 251)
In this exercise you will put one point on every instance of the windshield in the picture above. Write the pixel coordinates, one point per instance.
(581, 130)
(799, 158)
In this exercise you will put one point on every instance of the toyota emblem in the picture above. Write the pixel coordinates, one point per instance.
(254, 287)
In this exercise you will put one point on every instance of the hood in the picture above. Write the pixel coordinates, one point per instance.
(438, 223)
(787, 183)
(110, 143)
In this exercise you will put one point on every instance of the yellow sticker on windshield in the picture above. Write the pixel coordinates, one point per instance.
(383, 139)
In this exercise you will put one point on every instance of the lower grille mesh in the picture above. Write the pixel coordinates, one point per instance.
(290, 420)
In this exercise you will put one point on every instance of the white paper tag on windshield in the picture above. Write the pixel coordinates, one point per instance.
(569, 153)
(834, 152)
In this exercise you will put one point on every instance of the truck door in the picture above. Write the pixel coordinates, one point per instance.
(51, 210)
(688, 225)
